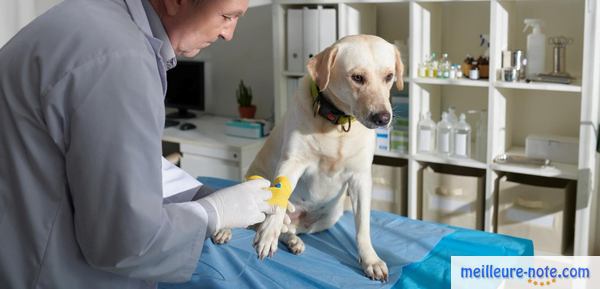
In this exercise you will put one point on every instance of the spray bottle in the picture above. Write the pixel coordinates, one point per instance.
(536, 48)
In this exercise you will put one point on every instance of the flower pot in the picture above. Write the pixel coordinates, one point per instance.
(247, 111)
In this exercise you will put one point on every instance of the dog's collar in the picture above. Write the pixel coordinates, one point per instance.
(327, 110)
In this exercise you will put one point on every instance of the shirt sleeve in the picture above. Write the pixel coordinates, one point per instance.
(113, 168)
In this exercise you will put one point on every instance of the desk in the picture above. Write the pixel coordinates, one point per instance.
(207, 151)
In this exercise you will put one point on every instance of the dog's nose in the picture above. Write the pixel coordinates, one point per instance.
(381, 118)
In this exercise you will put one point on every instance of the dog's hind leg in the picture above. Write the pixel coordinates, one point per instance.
(222, 236)
(293, 242)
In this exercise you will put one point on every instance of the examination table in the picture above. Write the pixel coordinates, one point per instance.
(417, 254)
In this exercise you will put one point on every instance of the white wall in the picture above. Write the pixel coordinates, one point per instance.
(15, 14)
(248, 57)
(42, 6)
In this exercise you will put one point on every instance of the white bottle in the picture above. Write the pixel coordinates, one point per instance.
(444, 129)
(423, 67)
(452, 74)
(452, 118)
(426, 128)
(445, 66)
(536, 48)
(461, 135)
(459, 73)
(433, 66)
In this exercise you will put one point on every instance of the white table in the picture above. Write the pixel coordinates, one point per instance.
(208, 151)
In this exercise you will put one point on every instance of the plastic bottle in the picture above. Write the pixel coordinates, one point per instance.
(536, 47)
(444, 67)
(452, 118)
(459, 73)
(461, 136)
(426, 128)
(444, 130)
(452, 74)
(433, 66)
(423, 67)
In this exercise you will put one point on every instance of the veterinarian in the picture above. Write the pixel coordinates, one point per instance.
(81, 119)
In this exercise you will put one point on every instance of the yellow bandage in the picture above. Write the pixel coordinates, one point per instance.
(281, 190)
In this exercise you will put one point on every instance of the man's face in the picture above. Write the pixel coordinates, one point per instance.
(194, 27)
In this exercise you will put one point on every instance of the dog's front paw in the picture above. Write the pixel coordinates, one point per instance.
(375, 269)
(222, 236)
(267, 234)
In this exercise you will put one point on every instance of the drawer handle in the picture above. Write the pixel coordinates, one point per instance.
(449, 193)
(529, 204)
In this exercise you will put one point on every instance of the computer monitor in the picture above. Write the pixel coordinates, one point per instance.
(185, 88)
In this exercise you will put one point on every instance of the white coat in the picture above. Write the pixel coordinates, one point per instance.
(81, 119)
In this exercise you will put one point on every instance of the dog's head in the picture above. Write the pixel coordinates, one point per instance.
(357, 73)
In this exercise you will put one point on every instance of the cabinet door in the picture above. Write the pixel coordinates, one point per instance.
(197, 165)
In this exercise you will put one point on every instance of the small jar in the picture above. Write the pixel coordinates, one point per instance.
(452, 72)
(474, 72)
(459, 73)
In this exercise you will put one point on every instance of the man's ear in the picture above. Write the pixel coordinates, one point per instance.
(399, 70)
(172, 7)
(319, 67)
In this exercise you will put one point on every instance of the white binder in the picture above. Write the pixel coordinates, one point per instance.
(295, 59)
(311, 34)
(327, 27)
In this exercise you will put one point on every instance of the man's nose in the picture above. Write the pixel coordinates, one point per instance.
(228, 31)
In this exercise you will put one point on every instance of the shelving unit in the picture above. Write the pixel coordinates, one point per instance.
(514, 109)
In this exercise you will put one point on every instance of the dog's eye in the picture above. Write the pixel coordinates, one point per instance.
(389, 77)
(358, 78)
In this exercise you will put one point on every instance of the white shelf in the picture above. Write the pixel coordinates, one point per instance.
(439, 159)
(514, 109)
(293, 74)
(555, 170)
(458, 82)
(539, 86)
(390, 154)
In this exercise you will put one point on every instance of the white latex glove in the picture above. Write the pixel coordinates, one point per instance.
(239, 206)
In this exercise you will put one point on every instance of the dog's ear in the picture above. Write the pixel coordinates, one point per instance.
(319, 67)
(399, 70)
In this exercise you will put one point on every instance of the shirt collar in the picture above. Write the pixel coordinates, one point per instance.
(157, 29)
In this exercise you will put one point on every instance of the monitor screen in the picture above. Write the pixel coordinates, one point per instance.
(185, 88)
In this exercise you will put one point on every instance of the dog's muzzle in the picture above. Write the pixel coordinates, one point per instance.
(381, 118)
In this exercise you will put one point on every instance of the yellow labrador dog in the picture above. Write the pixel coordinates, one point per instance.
(326, 142)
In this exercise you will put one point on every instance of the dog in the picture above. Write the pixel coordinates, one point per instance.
(325, 145)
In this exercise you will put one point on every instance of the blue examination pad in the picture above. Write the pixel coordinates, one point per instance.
(330, 259)
(417, 254)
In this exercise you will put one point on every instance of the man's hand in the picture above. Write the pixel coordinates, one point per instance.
(239, 206)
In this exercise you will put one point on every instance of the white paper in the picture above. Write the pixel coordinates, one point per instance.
(176, 180)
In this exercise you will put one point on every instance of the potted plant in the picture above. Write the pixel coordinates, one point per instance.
(244, 99)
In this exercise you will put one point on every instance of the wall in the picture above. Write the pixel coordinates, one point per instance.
(13, 16)
(248, 57)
